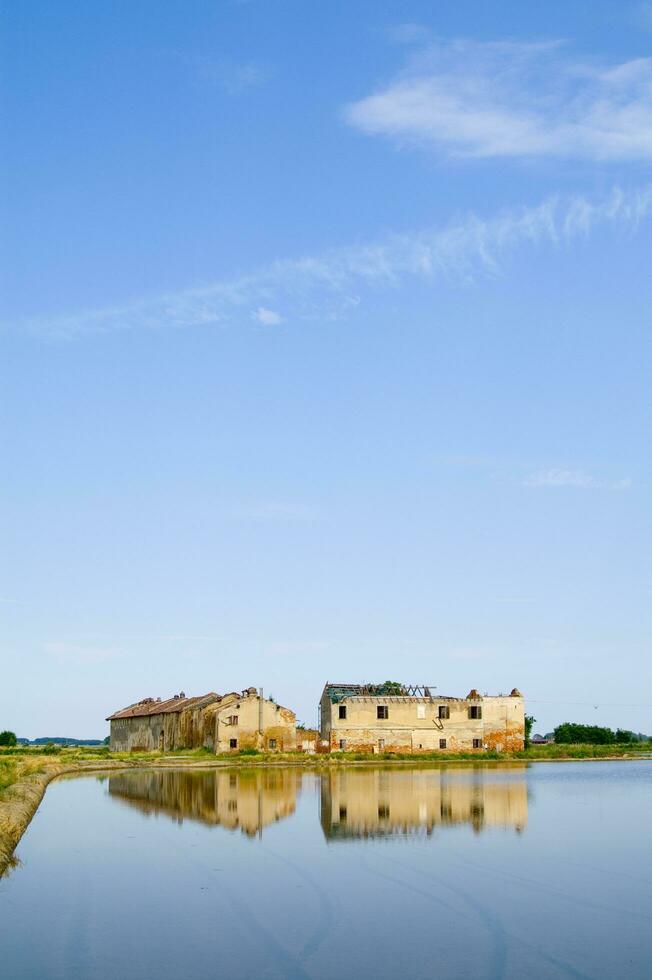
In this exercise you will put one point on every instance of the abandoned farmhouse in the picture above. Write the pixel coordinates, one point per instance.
(399, 718)
(219, 722)
(389, 717)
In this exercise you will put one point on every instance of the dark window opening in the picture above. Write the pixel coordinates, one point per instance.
(272, 743)
(477, 743)
(233, 743)
(444, 711)
(342, 743)
(342, 711)
(442, 743)
(342, 814)
(475, 711)
(382, 711)
(233, 719)
(383, 811)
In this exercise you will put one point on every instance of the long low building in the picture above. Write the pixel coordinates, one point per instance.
(218, 722)
(393, 717)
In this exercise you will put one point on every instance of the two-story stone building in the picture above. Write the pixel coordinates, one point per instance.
(219, 722)
(394, 717)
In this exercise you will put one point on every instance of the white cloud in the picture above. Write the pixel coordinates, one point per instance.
(269, 318)
(510, 99)
(329, 285)
(573, 478)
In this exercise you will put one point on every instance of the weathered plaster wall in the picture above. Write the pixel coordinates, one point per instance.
(278, 723)
(209, 725)
(413, 724)
(145, 734)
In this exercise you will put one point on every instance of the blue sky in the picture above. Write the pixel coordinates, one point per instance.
(325, 353)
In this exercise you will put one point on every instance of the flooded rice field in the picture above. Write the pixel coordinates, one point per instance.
(480, 872)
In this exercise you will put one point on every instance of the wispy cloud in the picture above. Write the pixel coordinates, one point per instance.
(268, 318)
(506, 99)
(574, 478)
(232, 76)
(79, 654)
(641, 15)
(408, 33)
(330, 284)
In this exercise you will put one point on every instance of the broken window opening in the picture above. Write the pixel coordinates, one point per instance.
(475, 711)
(382, 712)
(342, 711)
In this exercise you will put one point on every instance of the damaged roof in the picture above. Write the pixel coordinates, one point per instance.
(154, 706)
(337, 692)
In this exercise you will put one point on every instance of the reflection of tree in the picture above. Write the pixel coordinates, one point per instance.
(244, 800)
(387, 802)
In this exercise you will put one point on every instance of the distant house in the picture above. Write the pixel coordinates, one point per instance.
(219, 722)
(394, 717)
(541, 740)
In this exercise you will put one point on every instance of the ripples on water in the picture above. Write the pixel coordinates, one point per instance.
(482, 871)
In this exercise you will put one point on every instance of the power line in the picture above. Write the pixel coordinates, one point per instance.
(590, 704)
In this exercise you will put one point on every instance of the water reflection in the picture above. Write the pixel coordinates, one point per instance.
(244, 800)
(360, 803)
(353, 803)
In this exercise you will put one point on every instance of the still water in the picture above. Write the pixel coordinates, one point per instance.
(482, 872)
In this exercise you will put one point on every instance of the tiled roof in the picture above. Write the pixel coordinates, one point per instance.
(154, 706)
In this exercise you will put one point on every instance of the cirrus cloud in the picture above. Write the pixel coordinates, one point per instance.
(507, 99)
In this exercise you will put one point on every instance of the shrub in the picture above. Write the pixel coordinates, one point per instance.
(8, 738)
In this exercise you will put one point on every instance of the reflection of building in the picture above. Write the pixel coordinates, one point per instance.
(386, 802)
(245, 799)
(393, 717)
(219, 722)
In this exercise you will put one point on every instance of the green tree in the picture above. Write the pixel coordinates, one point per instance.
(623, 736)
(8, 738)
(573, 734)
(529, 722)
(392, 687)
